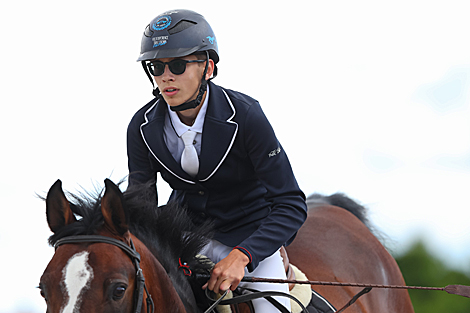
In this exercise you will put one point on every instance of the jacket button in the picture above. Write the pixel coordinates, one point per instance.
(201, 193)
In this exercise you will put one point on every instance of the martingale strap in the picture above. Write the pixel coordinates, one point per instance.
(131, 252)
(357, 296)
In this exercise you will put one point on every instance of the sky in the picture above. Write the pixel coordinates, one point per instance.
(368, 98)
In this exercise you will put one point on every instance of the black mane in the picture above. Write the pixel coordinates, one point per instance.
(167, 231)
(343, 201)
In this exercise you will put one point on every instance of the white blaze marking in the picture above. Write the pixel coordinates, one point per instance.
(77, 276)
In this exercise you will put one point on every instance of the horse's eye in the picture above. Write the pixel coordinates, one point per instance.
(119, 292)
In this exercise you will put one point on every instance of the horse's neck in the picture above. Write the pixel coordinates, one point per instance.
(158, 282)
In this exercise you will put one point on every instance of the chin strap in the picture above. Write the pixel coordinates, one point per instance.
(194, 103)
(202, 89)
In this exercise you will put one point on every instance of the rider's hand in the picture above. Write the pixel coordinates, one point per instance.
(228, 272)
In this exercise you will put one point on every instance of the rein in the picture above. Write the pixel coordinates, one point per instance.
(254, 294)
(131, 252)
(459, 290)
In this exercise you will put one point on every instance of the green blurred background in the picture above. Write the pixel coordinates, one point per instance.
(421, 268)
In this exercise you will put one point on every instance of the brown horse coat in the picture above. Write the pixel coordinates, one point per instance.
(334, 245)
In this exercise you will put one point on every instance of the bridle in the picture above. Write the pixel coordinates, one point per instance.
(131, 252)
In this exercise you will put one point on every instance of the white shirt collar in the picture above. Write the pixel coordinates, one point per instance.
(181, 128)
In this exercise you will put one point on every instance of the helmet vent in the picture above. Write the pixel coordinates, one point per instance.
(180, 26)
(148, 32)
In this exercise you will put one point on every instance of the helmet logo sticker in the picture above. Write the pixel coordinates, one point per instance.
(162, 23)
(211, 39)
(159, 41)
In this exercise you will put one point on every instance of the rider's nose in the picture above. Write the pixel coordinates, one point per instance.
(167, 74)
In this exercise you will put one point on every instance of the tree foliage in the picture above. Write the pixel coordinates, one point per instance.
(421, 268)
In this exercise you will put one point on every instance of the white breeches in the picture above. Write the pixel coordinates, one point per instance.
(271, 267)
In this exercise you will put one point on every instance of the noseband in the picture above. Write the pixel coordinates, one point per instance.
(131, 252)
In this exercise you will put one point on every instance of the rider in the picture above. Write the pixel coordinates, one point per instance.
(234, 171)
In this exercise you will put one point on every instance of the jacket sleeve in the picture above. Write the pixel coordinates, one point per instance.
(140, 168)
(288, 209)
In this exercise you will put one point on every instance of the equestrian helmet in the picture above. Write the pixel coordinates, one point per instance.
(178, 33)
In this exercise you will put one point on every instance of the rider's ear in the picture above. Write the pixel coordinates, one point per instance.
(115, 217)
(58, 210)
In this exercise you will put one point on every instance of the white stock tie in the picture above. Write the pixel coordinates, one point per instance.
(189, 159)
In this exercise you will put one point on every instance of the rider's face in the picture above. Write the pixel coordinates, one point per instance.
(177, 89)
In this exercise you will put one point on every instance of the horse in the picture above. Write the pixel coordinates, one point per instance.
(125, 254)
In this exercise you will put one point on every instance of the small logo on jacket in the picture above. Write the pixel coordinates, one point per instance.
(275, 152)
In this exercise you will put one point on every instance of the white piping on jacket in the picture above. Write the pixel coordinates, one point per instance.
(233, 138)
(148, 147)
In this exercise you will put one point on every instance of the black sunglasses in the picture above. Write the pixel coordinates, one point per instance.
(176, 66)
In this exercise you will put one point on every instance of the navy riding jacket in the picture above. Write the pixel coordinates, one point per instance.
(245, 182)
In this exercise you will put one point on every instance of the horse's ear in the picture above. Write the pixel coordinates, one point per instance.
(58, 210)
(115, 217)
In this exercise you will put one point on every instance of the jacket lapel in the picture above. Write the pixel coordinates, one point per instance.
(152, 133)
(218, 134)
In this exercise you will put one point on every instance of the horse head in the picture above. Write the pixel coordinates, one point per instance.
(88, 275)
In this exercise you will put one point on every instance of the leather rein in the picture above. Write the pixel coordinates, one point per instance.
(131, 252)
